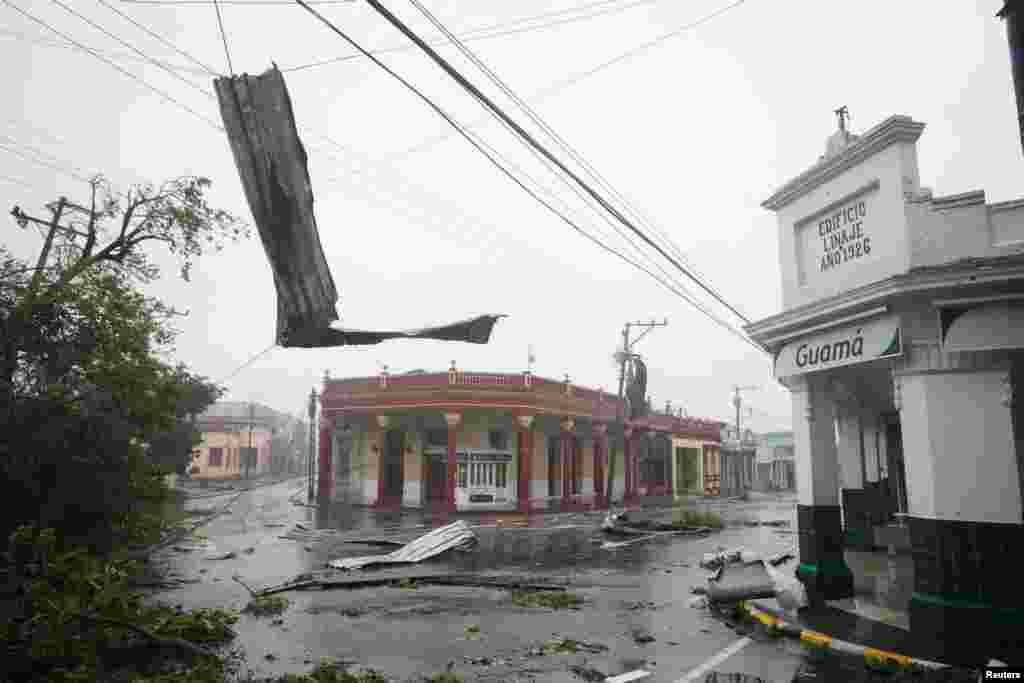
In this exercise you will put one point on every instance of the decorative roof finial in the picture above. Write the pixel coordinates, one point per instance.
(843, 114)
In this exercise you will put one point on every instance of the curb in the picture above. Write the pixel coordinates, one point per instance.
(824, 641)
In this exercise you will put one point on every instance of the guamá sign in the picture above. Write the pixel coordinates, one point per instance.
(873, 340)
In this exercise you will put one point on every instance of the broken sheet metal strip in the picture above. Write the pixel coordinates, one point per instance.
(824, 641)
(454, 536)
(272, 163)
(273, 166)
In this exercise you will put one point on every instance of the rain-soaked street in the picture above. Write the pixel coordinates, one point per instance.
(631, 593)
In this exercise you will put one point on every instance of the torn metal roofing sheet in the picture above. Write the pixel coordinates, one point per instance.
(450, 537)
(272, 163)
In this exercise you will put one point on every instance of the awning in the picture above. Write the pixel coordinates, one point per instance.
(982, 327)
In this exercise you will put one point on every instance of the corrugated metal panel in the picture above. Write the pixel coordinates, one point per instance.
(450, 537)
(272, 163)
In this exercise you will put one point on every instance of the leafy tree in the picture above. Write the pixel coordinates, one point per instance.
(171, 449)
(100, 248)
(81, 386)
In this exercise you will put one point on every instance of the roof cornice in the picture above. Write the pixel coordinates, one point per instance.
(970, 272)
(893, 130)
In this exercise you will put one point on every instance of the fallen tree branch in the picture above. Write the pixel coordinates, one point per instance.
(306, 583)
(178, 643)
(252, 593)
(144, 553)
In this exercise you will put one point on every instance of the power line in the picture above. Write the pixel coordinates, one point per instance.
(138, 79)
(127, 45)
(186, 55)
(481, 97)
(480, 147)
(45, 42)
(250, 3)
(223, 36)
(572, 79)
(604, 216)
(41, 162)
(499, 30)
(243, 366)
(533, 115)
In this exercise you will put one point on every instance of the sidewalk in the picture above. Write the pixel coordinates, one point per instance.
(846, 633)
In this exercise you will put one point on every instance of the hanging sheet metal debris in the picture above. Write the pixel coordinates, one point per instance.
(455, 536)
(272, 163)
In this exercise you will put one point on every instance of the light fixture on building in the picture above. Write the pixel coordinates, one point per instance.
(897, 392)
(1007, 383)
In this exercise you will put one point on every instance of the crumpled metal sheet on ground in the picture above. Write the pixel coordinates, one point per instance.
(456, 535)
(273, 166)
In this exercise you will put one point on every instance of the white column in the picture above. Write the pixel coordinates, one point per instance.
(817, 460)
(961, 463)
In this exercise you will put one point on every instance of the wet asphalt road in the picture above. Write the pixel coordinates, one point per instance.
(408, 633)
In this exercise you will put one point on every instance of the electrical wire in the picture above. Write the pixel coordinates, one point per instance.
(525, 135)
(41, 162)
(122, 70)
(602, 215)
(498, 30)
(40, 154)
(209, 70)
(127, 45)
(223, 36)
(533, 115)
(243, 366)
(481, 148)
(572, 79)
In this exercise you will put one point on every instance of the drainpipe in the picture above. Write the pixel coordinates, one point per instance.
(1011, 14)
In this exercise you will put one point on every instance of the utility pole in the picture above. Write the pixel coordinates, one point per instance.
(309, 458)
(626, 356)
(737, 402)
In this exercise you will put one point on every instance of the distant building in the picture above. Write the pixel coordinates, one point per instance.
(461, 440)
(738, 462)
(233, 431)
(776, 470)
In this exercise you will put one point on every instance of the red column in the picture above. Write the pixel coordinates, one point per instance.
(600, 449)
(525, 459)
(627, 466)
(326, 484)
(565, 450)
(453, 422)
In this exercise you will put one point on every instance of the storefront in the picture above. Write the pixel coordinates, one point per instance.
(493, 441)
(901, 340)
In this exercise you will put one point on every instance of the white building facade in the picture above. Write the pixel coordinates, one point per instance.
(901, 340)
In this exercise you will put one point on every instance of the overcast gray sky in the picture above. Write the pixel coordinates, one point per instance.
(696, 130)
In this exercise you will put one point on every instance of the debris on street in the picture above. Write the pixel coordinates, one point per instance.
(774, 523)
(336, 579)
(440, 540)
(230, 555)
(641, 636)
(629, 676)
(569, 646)
(547, 599)
(587, 673)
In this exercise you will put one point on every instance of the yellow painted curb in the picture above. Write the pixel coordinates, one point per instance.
(884, 657)
(815, 638)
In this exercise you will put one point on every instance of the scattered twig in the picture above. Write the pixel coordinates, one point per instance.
(157, 640)
(252, 593)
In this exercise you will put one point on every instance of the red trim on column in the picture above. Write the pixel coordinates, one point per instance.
(565, 458)
(627, 467)
(450, 497)
(525, 458)
(326, 484)
(380, 446)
